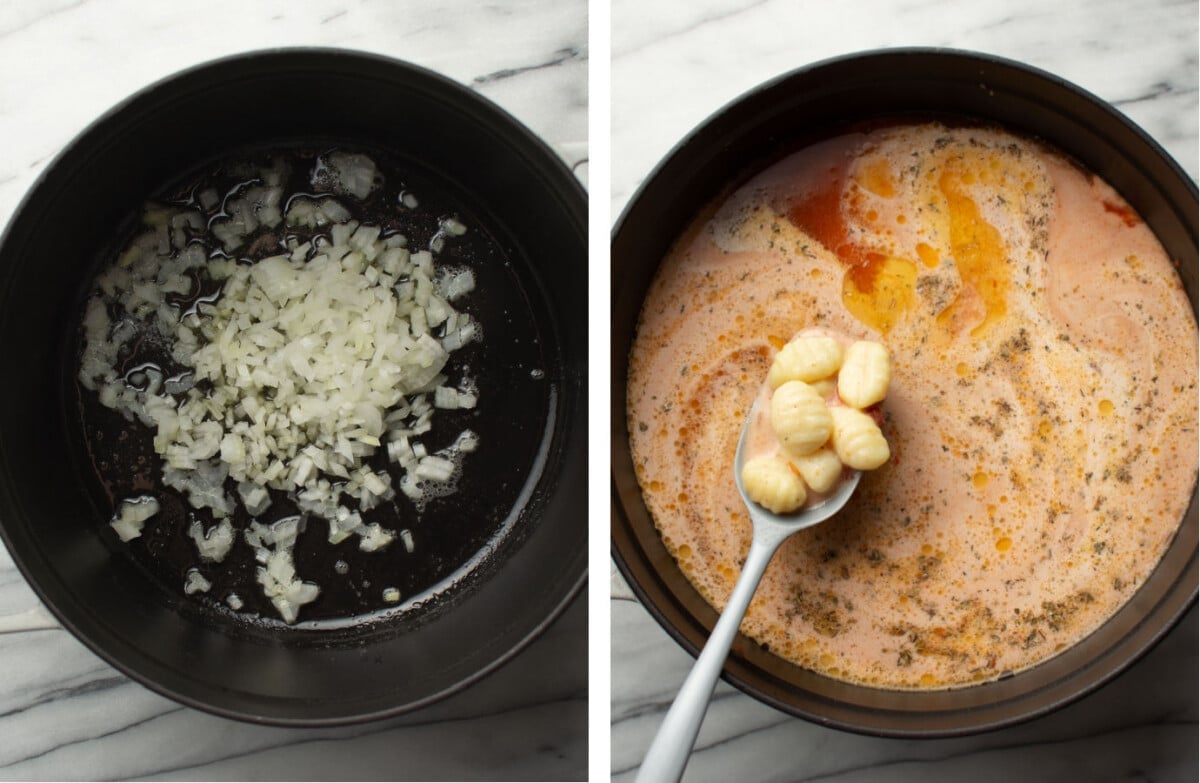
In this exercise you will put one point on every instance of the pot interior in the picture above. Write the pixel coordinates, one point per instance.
(52, 504)
(739, 141)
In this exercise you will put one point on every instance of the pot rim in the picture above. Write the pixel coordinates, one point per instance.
(556, 179)
(641, 568)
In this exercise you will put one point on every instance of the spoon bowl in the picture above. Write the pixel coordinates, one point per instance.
(783, 525)
(672, 745)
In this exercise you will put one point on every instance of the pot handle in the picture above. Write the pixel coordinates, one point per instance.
(34, 619)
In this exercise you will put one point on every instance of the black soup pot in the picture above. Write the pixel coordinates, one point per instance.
(51, 507)
(738, 141)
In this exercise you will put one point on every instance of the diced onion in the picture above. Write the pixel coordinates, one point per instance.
(280, 583)
(452, 226)
(294, 375)
(213, 544)
(346, 173)
(131, 516)
(375, 538)
(196, 582)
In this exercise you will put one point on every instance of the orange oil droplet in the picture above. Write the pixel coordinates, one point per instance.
(1004, 544)
(877, 177)
(1106, 407)
(877, 289)
(927, 254)
(978, 251)
(980, 479)
(820, 212)
(777, 342)
(928, 680)
(880, 290)
(962, 369)
(1123, 211)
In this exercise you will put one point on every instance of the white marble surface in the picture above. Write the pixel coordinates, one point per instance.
(64, 714)
(673, 64)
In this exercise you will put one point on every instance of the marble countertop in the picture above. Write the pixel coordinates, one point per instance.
(65, 714)
(673, 64)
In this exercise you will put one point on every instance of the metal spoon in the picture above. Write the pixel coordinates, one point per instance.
(672, 746)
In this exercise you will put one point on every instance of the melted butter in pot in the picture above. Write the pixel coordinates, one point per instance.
(1042, 412)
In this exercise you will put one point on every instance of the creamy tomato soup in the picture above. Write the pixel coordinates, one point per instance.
(1041, 414)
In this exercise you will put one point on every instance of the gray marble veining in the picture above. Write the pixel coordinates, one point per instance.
(676, 62)
(529, 56)
(1143, 723)
(65, 713)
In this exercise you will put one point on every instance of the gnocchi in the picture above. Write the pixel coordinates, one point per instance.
(770, 482)
(800, 418)
(807, 359)
(856, 438)
(820, 470)
(826, 387)
(815, 426)
(865, 374)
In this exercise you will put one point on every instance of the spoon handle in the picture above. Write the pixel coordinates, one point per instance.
(672, 746)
